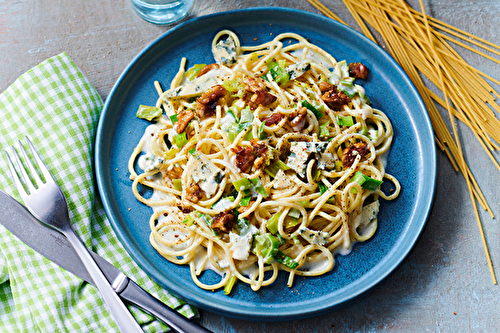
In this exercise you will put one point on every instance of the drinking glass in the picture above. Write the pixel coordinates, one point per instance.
(162, 11)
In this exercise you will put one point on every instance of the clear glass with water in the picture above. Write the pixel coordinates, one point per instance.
(162, 11)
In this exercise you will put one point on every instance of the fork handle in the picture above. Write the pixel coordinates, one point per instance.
(126, 322)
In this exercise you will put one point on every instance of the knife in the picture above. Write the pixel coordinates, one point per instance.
(55, 247)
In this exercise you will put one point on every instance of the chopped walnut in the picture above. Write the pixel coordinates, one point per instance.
(260, 148)
(273, 119)
(194, 193)
(184, 209)
(358, 70)
(183, 119)
(349, 154)
(299, 119)
(244, 158)
(207, 102)
(254, 85)
(171, 174)
(325, 86)
(335, 99)
(207, 69)
(260, 94)
(263, 97)
(259, 162)
(223, 222)
(255, 155)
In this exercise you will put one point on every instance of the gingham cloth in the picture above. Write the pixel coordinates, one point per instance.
(58, 108)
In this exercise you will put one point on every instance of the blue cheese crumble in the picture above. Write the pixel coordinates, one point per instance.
(300, 152)
(207, 175)
(149, 162)
(315, 237)
(225, 52)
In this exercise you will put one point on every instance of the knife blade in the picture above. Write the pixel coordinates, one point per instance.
(55, 247)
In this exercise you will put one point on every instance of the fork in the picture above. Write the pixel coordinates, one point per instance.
(45, 200)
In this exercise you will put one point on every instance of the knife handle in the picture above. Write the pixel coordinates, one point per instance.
(133, 293)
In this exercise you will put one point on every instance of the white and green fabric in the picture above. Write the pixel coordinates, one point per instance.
(56, 106)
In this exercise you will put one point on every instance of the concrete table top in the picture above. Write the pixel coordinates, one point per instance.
(444, 285)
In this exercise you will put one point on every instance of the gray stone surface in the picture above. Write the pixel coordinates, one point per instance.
(443, 286)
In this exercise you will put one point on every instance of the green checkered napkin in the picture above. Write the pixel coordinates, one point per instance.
(58, 108)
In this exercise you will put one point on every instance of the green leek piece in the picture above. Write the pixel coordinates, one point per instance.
(349, 91)
(366, 182)
(245, 201)
(232, 131)
(232, 114)
(272, 170)
(246, 116)
(243, 226)
(345, 120)
(339, 152)
(291, 222)
(150, 113)
(348, 81)
(282, 165)
(173, 118)
(193, 71)
(242, 184)
(286, 260)
(229, 285)
(261, 134)
(177, 184)
(245, 121)
(278, 71)
(311, 108)
(258, 187)
(322, 188)
(189, 220)
(344, 69)
(339, 166)
(208, 220)
(232, 85)
(317, 174)
(304, 203)
(248, 186)
(294, 212)
(171, 153)
(277, 165)
(267, 245)
(323, 130)
(248, 136)
(272, 223)
(180, 140)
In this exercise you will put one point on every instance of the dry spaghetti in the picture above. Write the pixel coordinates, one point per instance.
(421, 45)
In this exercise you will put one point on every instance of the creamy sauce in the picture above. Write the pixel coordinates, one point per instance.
(319, 263)
(313, 57)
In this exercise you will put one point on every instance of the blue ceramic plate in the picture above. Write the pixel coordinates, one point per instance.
(412, 160)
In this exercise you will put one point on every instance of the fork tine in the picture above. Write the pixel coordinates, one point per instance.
(41, 165)
(28, 162)
(17, 181)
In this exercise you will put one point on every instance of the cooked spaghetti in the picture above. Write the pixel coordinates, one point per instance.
(269, 159)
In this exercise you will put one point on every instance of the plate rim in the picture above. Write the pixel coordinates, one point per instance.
(253, 314)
